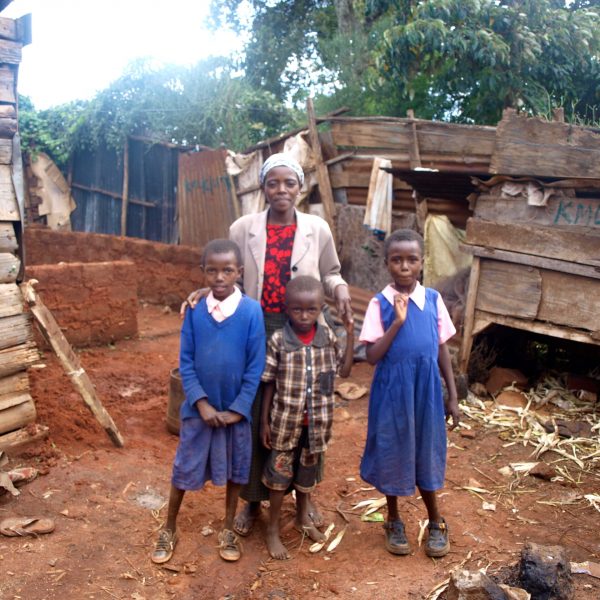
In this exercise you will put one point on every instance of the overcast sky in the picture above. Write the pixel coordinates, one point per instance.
(79, 47)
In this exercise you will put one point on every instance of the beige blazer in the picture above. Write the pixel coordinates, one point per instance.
(313, 252)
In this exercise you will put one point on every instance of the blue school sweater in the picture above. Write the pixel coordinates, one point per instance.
(222, 361)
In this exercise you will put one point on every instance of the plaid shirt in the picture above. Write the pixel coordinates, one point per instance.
(304, 376)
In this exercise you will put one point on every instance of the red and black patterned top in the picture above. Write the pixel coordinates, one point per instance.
(278, 261)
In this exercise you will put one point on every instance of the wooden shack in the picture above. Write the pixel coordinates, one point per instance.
(17, 349)
(536, 239)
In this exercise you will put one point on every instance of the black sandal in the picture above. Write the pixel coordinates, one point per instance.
(395, 538)
(438, 543)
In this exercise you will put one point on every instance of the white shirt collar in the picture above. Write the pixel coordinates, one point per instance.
(417, 295)
(227, 306)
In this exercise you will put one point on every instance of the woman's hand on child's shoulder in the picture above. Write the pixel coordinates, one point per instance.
(452, 412)
(401, 307)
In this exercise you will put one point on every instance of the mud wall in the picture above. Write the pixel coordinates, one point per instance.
(86, 303)
(164, 273)
(361, 251)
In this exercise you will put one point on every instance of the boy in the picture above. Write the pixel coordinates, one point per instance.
(221, 360)
(297, 411)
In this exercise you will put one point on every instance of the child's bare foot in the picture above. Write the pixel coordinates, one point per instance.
(313, 512)
(310, 530)
(275, 546)
(244, 520)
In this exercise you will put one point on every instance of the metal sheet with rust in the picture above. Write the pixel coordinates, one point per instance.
(207, 203)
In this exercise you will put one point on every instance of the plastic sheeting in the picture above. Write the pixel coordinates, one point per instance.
(443, 256)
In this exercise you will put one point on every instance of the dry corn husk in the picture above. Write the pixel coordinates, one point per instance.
(336, 540)
(317, 546)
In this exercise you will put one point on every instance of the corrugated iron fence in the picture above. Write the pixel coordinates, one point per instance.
(97, 185)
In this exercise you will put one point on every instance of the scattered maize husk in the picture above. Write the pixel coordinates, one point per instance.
(336, 540)
(422, 528)
(437, 591)
(375, 517)
(488, 506)
(317, 546)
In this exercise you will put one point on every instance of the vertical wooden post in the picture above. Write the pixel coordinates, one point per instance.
(125, 194)
(413, 150)
(467, 334)
(321, 167)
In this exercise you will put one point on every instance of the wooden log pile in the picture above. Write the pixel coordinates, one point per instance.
(17, 349)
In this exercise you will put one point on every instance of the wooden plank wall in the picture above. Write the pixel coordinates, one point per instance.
(17, 349)
(538, 266)
(443, 146)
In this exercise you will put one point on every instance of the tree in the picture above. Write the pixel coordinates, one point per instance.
(462, 60)
(480, 56)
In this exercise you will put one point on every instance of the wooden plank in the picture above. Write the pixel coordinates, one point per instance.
(533, 261)
(69, 361)
(125, 192)
(13, 384)
(7, 85)
(22, 437)
(15, 330)
(5, 151)
(350, 178)
(9, 209)
(570, 300)
(576, 245)
(8, 239)
(11, 302)
(16, 416)
(8, 29)
(14, 399)
(322, 171)
(17, 358)
(8, 127)
(10, 52)
(509, 289)
(532, 146)
(467, 334)
(9, 267)
(483, 320)
(372, 135)
(561, 211)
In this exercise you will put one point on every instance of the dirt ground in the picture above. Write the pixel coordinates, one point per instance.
(108, 503)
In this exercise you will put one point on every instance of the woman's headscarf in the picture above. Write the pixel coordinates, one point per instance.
(281, 160)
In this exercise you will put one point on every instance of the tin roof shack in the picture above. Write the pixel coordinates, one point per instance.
(17, 350)
(536, 241)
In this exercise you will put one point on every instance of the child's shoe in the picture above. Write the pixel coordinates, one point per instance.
(395, 538)
(165, 545)
(230, 547)
(438, 543)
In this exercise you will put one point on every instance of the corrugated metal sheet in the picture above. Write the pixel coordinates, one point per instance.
(97, 185)
(207, 201)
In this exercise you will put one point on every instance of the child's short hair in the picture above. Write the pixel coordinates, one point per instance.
(403, 235)
(221, 246)
(303, 283)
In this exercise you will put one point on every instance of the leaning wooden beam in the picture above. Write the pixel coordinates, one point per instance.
(322, 172)
(69, 360)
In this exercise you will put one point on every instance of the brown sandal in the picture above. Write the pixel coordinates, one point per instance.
(22, 526)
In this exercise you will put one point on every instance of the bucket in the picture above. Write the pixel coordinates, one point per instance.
(175, 399)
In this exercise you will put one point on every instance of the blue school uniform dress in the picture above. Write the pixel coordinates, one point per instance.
(406, 437)
(222, 361)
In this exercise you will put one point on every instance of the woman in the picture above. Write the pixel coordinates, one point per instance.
(278, 244)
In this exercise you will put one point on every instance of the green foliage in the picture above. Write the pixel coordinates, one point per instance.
(481, 56)
(50, 130)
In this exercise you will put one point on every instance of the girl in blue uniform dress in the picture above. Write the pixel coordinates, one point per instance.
(406, 328)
